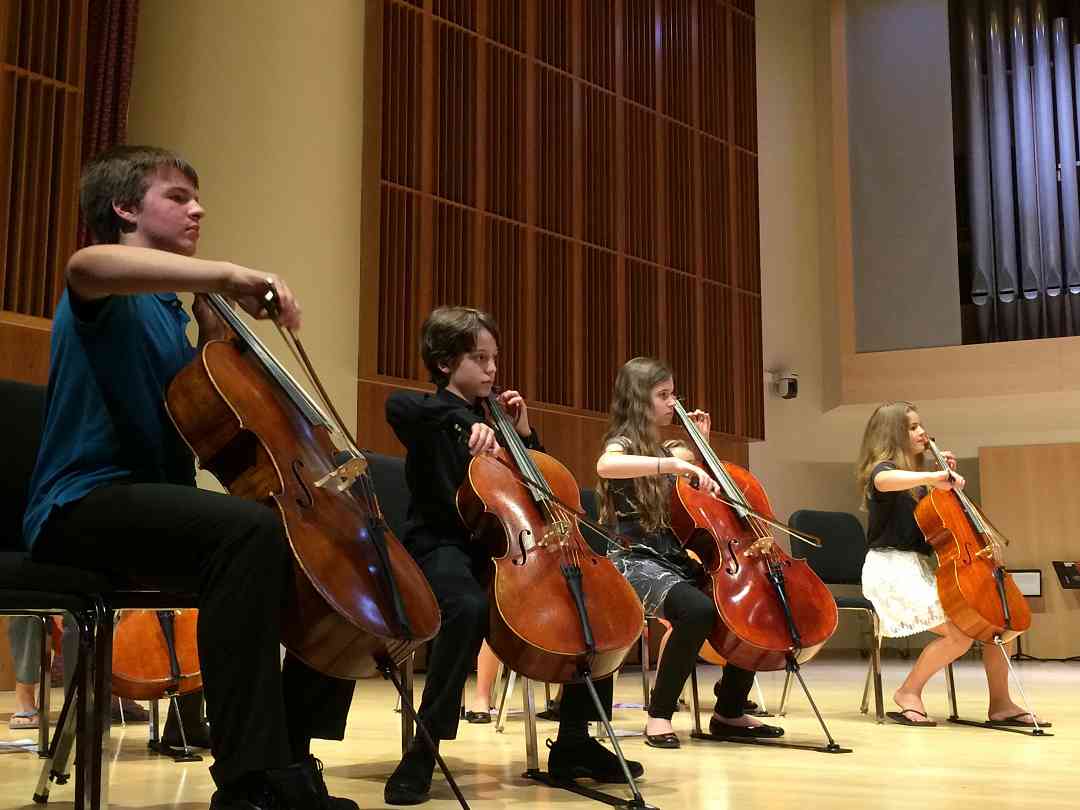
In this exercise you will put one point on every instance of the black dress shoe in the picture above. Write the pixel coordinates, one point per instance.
(478, 717)
(410, 783)
(588, 760)
(224, 799)
(668, 740)
(298, 787)
(301, 787)
(762, 732)
(196, 729)
(314, 768)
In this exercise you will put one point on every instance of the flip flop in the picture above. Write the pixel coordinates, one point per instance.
(1016, 722)
(902, 718)
(21, 721)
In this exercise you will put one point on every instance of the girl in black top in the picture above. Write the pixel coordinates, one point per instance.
(898, 575)
(636, 472)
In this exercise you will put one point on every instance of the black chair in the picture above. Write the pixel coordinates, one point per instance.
(388, 475)
(839, 562)
(34, 589)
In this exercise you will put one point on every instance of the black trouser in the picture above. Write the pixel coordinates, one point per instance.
(238, 560)
(692, 613)
(455, 578)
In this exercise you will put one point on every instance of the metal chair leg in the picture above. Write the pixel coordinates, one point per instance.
(155, 723)
(532, 754)
(493, 700)
(645, 665)
(950, 688)
(99, 711)
(879, 692)
(504, 702)
(406, 672)
(760, 696)
(695, 703)
(44, 686)
(864, 705)
(55, 766)
(782, 710)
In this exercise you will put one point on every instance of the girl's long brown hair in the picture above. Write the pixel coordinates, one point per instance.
(630, 423)
(886, 438)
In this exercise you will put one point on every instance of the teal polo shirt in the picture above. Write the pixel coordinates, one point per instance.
(105, 418)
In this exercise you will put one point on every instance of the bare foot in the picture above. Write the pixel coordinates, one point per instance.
(1010, 710)
(658, 725)
(911, 700)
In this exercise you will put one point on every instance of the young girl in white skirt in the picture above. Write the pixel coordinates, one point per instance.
(898, 575)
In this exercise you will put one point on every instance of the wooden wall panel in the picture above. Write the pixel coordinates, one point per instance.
(401, 74)
(679, 192)
(399, 272)
(41, 58)
(551, 346)
(554, 168)
(1029, 492)
(639, 205)
(454, 264)
(600, 168)
(505, 136)
(506, 299)
(602, 360)
(718, 328)
(456, 112)
(587, 170)
(24, 348)
(598, 35)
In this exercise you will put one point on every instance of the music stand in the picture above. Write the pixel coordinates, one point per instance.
(1068, 573)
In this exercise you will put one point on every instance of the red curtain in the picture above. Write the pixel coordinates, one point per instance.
(110, 56)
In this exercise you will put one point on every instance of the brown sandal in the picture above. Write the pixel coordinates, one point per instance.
(902, 718)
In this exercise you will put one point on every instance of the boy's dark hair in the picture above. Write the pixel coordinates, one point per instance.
(121, 174)
(448, 333)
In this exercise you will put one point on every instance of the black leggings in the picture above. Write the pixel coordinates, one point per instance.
(692, 613)
(233, 552)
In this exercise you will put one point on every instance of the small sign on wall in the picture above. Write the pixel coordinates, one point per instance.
(1028, 580)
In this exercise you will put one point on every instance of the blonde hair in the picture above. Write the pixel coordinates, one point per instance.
(631, 425)
(887, 438)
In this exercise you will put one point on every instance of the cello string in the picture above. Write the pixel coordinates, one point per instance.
(719, 471)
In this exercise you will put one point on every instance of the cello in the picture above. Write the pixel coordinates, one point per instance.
(155, 654)
(773, 611)
(977, 593)
(557, 608)
(358, 601)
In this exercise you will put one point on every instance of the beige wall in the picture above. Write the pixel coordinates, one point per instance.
(796, 462)
(265, 98)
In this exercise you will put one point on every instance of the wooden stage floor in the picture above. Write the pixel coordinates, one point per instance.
(891, 768)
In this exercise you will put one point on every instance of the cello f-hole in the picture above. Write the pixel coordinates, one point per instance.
(307, 501)
(733, 567)
(522, 547)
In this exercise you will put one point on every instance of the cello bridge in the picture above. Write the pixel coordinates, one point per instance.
(344, 476)
(558, 532)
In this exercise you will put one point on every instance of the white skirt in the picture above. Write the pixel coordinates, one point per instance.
(902, 587)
